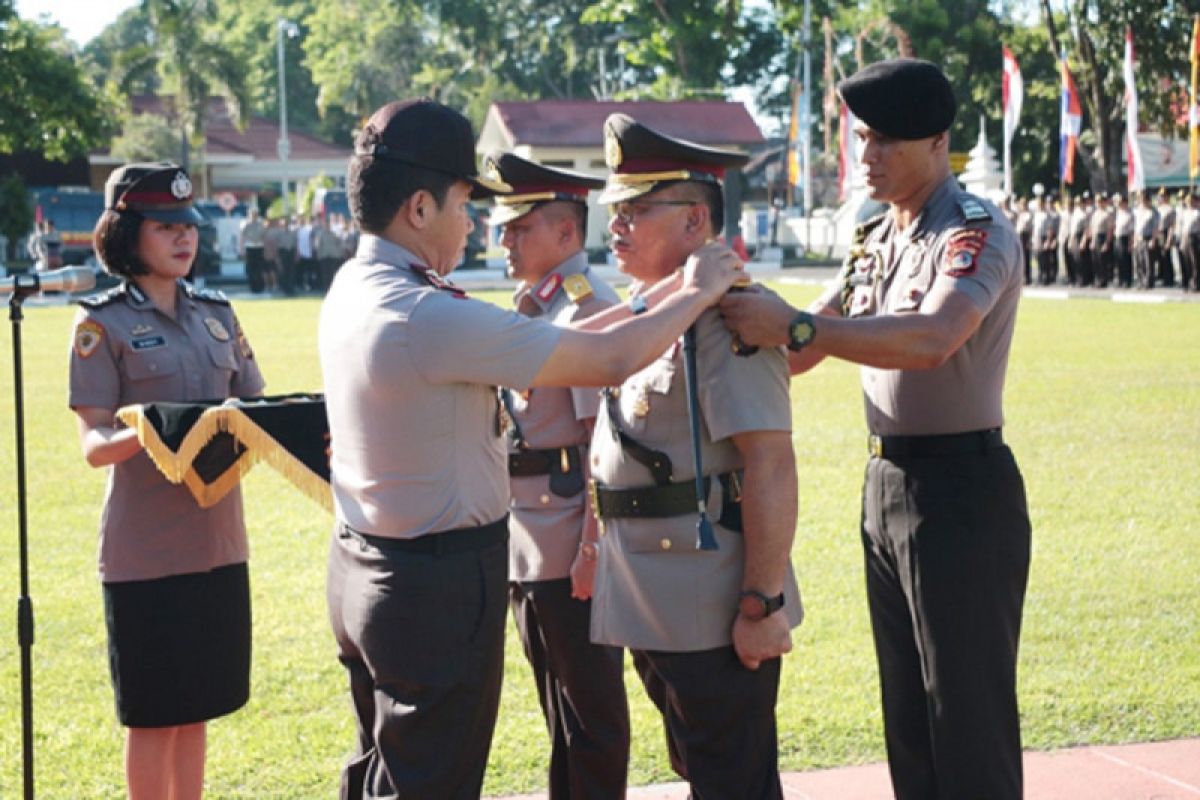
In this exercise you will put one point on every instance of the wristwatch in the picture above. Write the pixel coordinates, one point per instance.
(755, 606)
(801, 331)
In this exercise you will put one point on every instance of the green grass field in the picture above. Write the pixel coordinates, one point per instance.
(1103, 405)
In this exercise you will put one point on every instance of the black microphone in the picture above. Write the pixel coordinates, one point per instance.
(69, 279)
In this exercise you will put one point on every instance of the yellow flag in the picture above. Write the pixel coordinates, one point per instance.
(793, 141)
(1193, 110)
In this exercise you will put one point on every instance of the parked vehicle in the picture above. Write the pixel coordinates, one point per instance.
(74, 213)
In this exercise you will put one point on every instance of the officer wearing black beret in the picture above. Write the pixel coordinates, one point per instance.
(552, 532)
(926, 304)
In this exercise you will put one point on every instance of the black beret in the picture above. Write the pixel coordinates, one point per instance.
(424, 133)
(533, 184)
(904, 98)
(160, 191)
(641, 158)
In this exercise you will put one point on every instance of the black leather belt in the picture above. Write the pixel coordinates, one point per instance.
(669, 500)
(951, 444)
(524, 463)
(457, 540)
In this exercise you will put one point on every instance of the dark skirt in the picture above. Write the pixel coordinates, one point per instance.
(179, 647)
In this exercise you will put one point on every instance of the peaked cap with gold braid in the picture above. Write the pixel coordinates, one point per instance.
(641, 158)
(533, 184)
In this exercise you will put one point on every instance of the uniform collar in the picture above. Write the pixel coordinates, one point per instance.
(137, 298)
(545, 291)
(375, 249)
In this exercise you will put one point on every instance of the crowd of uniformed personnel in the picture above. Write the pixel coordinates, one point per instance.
(656, 516)
(1150, 240)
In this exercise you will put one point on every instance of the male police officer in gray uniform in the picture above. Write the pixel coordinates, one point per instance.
(927, 305)
(706, 627)
(552, 531)
(418, 565)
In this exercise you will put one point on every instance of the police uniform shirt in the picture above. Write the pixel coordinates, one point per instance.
(942, 251)
(1100, 226)
(410, 371)
(126, 351)
(1166, 221)
(1045, 226)
(654, 589)
(1145, 222)
(544, 529)
(1080, 219)
(1123, 225)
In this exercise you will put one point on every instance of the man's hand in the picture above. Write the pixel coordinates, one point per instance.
(583, 576)
(712, 269)
(756, 642)
(757, 316)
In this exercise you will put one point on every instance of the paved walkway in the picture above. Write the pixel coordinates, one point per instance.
(1158, 771)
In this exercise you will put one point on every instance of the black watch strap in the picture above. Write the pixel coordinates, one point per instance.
(769, 604)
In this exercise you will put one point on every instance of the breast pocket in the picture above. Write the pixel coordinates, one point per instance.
(647, 393)
(152, 374)
(224, 364)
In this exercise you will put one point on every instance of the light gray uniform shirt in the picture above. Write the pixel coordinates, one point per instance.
(958, 243)
(410, 370)
(544, 528)
(654, 590)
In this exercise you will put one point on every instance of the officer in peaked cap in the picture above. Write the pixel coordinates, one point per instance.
(158, 191)
(418, 564)
(1167, 239)
(552, 532)
(706, 628)
(926, 303)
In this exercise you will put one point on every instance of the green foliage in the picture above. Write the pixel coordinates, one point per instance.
(46, 105)
(309, 193)
(16, 212)
(146, 137)
(1109, 448)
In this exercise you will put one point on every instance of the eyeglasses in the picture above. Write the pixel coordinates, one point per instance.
(629, 213)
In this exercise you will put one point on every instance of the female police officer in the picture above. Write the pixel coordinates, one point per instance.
(176, 589)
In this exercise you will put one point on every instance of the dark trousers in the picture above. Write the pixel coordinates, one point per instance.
(1166, 266)
(1145, 257)
(288, 279)
(1123, 256)
(422, 638)
(946, 543)
(581, 687)
(1102, 261)
(1027, 249)
(1071, 258)
(719, 719)
(255, 264)
(1189, 263)
(1047, 263)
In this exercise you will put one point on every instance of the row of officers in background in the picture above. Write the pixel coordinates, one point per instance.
(1101, 241)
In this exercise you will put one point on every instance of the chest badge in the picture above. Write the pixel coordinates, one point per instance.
(216, 329)
(141, 329)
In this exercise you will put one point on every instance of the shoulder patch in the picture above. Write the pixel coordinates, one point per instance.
(577, 288)
(864, 228)
(88, 335)
(102, 298)
(962, 251)
(972, 209)
(207, 295)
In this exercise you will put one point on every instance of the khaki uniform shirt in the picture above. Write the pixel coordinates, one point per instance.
(1166, 225)
(544, 528)
(958, 243)
(126, 351)
(1080, 220)
(1123, 226)
(410, 372)
(252, 233)
(1145, 223)
(1045, 228)
(654, 590)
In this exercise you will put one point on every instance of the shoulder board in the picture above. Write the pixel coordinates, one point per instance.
(864, 228)
(207, 295)
(577, 288)
(102, 299)
(972, 209)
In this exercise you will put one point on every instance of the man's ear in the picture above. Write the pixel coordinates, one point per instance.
(417, 209)
(697, 215)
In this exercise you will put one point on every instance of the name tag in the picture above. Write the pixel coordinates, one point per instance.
(148, 342)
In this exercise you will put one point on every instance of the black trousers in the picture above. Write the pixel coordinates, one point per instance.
(1047, 262)
(1189, 263)
(719, 719)
(1166, 266)
(255, 264)
(1123, 257)
(946, 543)
(581, 687)
(1145, 256)
(422, 638)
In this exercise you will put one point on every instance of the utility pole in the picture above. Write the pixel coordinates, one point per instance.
(284, 145)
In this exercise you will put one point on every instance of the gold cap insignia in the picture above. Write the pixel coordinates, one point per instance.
(612, 149)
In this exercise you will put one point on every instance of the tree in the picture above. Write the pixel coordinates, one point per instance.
(1093, 34)
(46, 105)
(185, 50)
(16, 213)
(146, 137)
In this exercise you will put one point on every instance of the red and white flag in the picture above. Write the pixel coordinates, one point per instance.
(1133, 153)
(1013, 89)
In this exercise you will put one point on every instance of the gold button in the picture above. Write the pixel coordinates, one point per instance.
(545, 499)
(595, 461)
(665, 544)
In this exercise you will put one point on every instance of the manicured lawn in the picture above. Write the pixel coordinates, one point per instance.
(1103, 405)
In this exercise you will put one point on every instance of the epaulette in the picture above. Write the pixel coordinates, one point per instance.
(101, 299)
(207, 295)
(972, 209)
(863, 229)
(577, 288)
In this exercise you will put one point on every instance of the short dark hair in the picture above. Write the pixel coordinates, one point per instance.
(115, 240)
(709, 195)
(376, 188)
(576, 212)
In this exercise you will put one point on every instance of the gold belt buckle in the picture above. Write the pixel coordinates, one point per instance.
(594, 497)
(875, 445)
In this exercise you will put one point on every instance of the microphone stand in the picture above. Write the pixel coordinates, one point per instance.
(24, 603)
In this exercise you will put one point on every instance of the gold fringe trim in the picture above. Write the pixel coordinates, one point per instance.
(262, 446)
